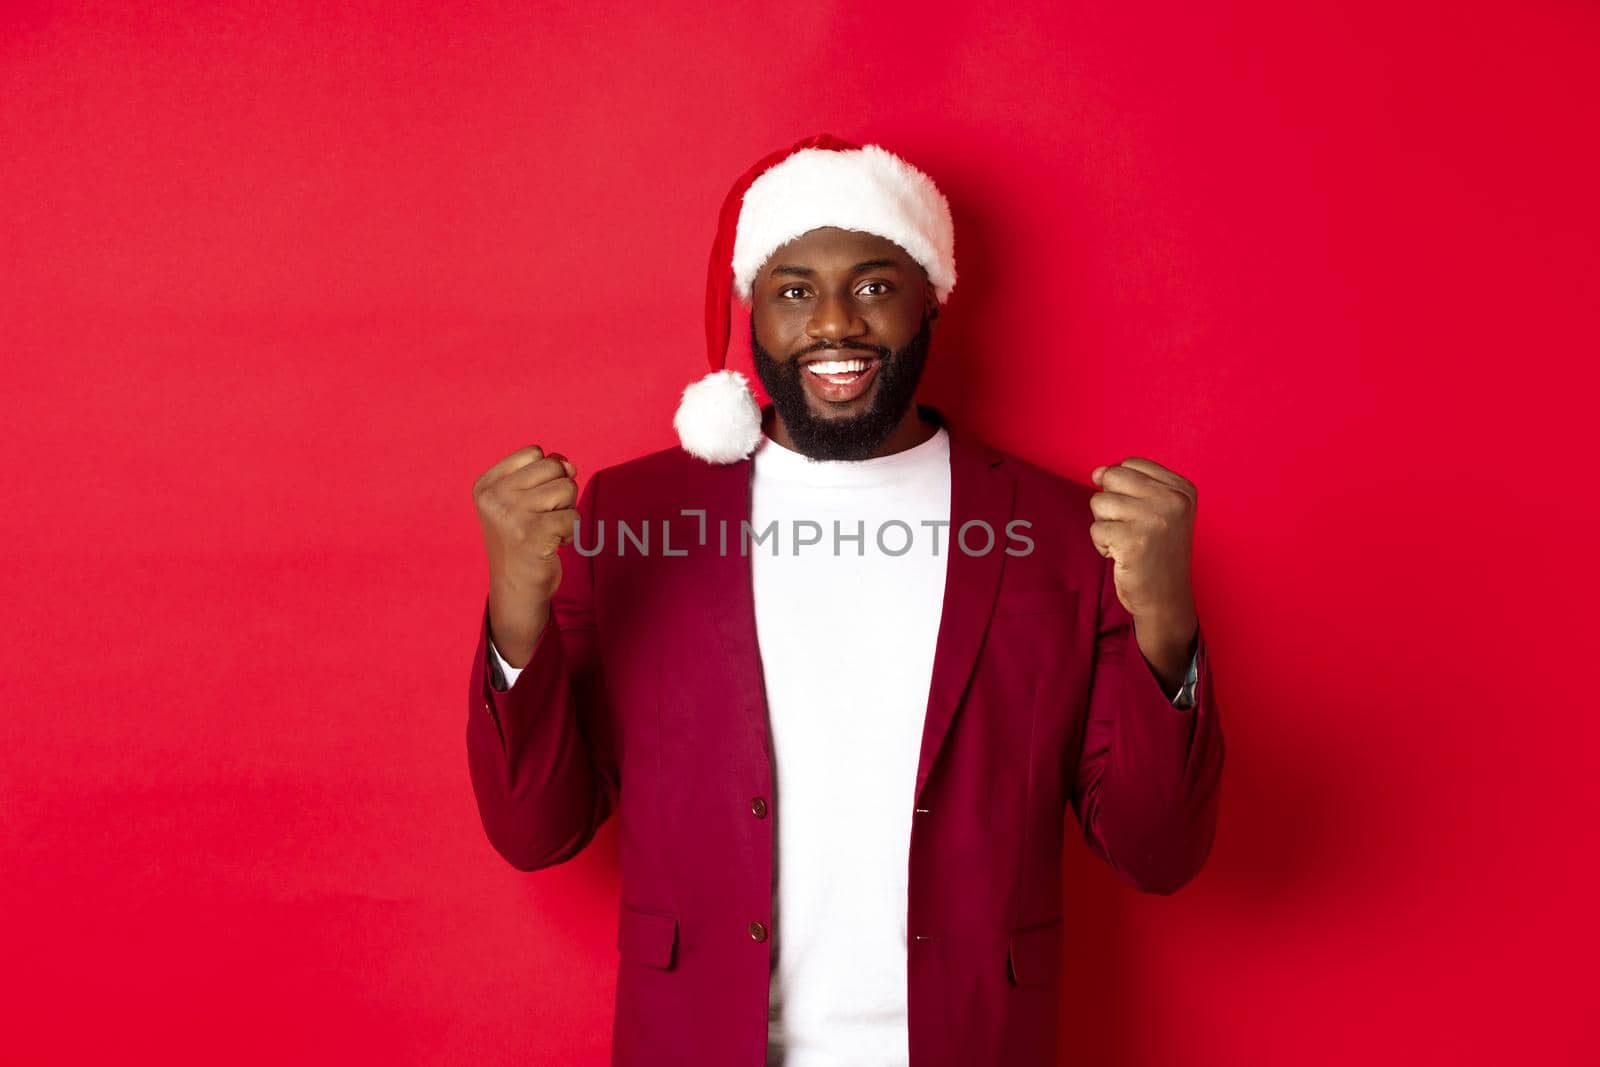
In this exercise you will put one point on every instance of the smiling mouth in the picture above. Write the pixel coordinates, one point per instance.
(839, 378)
(840, 371)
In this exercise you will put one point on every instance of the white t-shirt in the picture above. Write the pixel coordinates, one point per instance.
(847, 632)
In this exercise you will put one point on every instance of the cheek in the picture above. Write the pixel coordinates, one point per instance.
(776, 329)
(896, 329)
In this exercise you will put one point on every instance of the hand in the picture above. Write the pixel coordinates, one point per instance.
(526, 507)
(1144, 521)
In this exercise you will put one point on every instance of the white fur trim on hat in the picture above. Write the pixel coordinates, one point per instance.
(869, 189)
(718, 419)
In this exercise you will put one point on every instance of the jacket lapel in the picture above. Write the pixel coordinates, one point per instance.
(980, 490)
(723, 594)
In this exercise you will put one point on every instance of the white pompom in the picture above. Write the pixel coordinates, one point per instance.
(718, 419)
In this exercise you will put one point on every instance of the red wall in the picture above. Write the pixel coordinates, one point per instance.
(279, 283)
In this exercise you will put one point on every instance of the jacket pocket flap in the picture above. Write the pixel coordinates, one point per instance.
(1035, 954)
(1035, 601)
(646, 938)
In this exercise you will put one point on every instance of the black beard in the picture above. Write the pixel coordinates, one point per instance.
(857, 436)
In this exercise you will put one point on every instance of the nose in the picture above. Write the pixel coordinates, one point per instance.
(834, 320)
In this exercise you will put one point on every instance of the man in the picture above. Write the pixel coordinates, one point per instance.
(839, 668)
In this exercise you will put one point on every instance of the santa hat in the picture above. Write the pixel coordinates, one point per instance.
(820, 181)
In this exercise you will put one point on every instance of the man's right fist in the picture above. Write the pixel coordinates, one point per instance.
(526, 506)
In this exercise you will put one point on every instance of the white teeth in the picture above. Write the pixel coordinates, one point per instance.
(837, 366)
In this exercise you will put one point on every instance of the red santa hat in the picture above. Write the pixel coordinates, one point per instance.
(820, 181)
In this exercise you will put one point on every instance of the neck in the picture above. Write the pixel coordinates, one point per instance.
(911, 431)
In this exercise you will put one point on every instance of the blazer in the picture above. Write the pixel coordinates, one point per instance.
(644, 699)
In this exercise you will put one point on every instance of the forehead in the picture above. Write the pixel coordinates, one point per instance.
(832, 246)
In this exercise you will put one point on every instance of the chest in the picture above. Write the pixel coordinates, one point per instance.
(848, 585)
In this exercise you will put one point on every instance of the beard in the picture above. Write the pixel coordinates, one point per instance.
(851, 437)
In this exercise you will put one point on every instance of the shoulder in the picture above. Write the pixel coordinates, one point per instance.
(648, 484)
(644, 471)
(1045, 484)
(1055, 509)
(1040, 487)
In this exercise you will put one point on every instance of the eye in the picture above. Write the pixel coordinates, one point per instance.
(883, 289)
(790, 289)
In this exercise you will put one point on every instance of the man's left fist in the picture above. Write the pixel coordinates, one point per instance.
(1144, 521)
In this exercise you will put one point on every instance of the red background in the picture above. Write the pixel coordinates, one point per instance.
(280, 281)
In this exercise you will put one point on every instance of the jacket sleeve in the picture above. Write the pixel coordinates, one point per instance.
(542, 753)
(1149, 776)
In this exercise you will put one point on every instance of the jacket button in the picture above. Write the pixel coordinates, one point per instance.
(758, 808)
(758, 931)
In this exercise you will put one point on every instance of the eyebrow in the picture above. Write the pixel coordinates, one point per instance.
(807, 272)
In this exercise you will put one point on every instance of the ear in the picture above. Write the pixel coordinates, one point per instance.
(931, 303)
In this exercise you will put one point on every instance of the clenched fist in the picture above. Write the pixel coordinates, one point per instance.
(1144, 521)
(526, 506)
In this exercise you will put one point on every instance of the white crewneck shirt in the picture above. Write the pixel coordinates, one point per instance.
(847, 632)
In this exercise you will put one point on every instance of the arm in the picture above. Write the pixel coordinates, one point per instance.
(541, 752)
(1148, 779)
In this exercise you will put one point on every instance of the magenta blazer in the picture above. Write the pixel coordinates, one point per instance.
(644, 698)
